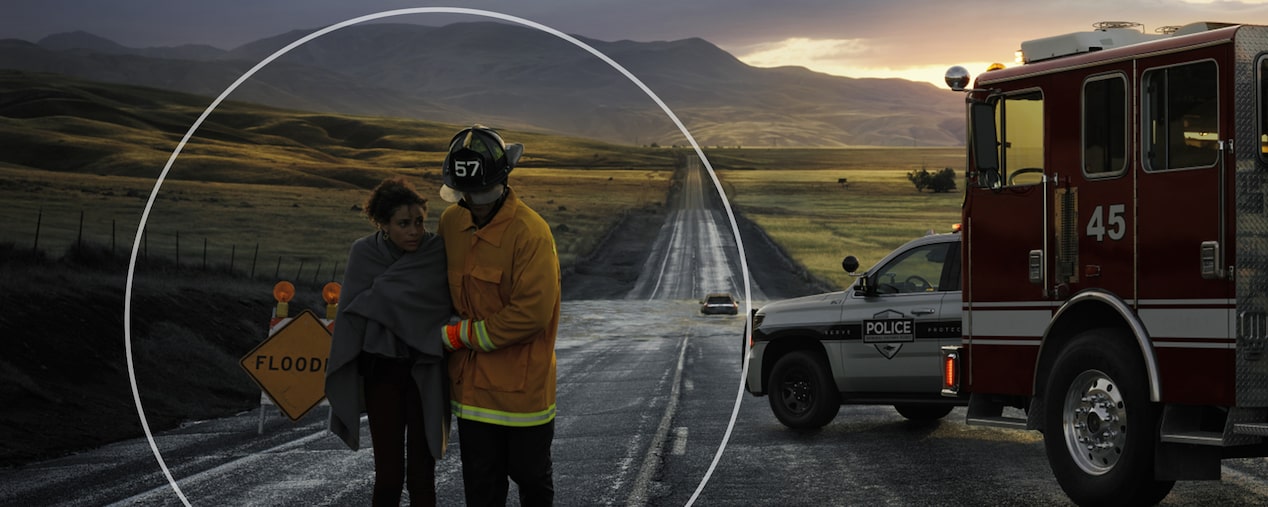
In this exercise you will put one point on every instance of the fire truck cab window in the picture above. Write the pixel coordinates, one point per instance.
(1105, 126)
(1181, 116)
(918, 270)
(1020, 128)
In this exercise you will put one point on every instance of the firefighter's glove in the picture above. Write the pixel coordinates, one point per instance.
(466, 334)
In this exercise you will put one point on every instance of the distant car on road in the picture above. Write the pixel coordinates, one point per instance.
(875, 343)
(719, 302)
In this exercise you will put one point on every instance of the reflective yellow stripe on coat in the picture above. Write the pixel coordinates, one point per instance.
(499, 417)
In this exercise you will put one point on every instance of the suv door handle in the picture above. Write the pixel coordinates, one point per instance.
(922, 311)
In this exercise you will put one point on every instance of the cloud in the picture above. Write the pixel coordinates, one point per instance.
(843, 57)
(802, 51)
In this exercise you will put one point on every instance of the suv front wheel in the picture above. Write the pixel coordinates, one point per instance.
(802, 393)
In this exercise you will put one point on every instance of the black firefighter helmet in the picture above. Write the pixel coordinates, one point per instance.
(477, 163)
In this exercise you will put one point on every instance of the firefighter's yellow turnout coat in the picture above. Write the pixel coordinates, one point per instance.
(504, 281)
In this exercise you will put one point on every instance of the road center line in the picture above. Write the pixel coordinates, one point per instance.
(680, 441)
(638, 494)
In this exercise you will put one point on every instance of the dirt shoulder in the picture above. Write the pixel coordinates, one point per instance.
(64, 372)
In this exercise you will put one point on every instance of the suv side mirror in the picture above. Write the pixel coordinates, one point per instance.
(850, 264)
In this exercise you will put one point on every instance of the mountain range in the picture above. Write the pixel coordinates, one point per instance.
(515, 77)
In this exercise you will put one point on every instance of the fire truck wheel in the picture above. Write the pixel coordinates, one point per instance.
(802, 392)
(923, 412)
(1100, 426)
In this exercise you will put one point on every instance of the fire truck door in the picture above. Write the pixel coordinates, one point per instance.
(1180, 186)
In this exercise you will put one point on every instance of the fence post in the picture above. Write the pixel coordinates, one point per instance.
(38, 219)
(233, 251)
(254, 258)
(301, 269)
(334, 272)
(278, 270)
(317, 272)
(79, 239)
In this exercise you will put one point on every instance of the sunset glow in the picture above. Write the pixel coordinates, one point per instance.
(844, 57)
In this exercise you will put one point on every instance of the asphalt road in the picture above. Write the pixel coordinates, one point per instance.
(647, 390)
(695, 252)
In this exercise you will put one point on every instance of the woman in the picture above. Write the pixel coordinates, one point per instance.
(385, 358)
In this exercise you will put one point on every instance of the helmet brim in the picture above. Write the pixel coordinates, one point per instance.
(449, 194)
(513, 153)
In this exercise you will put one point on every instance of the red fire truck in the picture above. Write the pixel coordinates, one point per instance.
(1115, 254)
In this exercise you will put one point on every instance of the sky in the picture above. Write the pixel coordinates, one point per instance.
(910, 39)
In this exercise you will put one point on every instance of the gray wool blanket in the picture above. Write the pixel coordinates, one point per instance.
(388, 298)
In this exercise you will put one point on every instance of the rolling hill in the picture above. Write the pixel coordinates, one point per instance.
(56, 123)
(514, 77)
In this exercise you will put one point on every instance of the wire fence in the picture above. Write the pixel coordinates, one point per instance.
(67, 238)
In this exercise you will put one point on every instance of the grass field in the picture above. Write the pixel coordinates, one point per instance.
(262, 189)
(275, 190)
(304, 231)
(818, 221)
(292, 225)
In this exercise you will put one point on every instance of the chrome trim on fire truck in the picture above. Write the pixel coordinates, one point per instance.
(1042, 261)
(1211, 263)
(1036, 267)
(1129, 317)
(1257, 429)
(1243, 425)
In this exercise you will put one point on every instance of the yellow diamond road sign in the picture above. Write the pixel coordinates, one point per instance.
(290, 365)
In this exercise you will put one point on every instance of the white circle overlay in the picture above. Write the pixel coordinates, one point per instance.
(158, 184)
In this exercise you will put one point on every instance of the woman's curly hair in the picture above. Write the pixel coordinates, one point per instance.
(389, 195)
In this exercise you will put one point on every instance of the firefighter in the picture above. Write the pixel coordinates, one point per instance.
(504, 281)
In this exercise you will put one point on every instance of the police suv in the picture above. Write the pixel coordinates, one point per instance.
(877, 342)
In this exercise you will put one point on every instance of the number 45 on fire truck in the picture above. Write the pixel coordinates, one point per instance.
(1115, 254)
